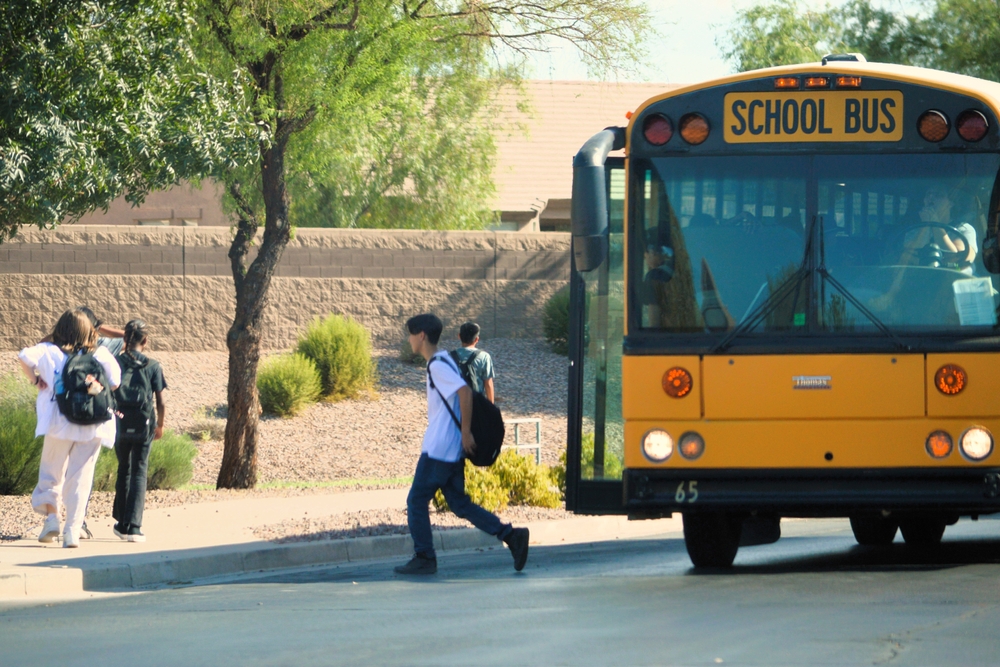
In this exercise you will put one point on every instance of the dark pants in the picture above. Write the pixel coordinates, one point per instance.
(430, 476)
(130, 487)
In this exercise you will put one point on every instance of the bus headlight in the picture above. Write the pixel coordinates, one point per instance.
(657, 445)
(976, 443)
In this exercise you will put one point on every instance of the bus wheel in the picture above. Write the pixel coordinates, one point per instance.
(712, 538)
(873, 531)
(922, 531)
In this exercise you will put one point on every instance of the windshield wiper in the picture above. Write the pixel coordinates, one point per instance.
(794, 283)
(791, 284)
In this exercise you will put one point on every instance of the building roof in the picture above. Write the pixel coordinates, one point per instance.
(535, 164)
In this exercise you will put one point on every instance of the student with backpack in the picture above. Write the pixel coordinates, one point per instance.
(475, 365)
(442, 459)
(138, 425)
(75, 380)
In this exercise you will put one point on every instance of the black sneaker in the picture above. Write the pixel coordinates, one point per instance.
(135, 535)
(517, 540)
(419, 564)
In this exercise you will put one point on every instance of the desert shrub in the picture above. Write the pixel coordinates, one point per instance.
(555, 321)
(20, 450)
(408, 356)
(209, 424)
(287, 384)
(513, 479)
(171, 464)
(613, 466)
(341, 350)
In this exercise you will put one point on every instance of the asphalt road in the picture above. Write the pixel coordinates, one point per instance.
(813, 598)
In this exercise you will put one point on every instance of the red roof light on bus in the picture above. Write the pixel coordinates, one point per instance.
(657, 129)
(933, 125)
(694, 128)
(972, 125)
(785, 82)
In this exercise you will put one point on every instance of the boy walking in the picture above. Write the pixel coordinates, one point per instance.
(475, 365)
(442, 461)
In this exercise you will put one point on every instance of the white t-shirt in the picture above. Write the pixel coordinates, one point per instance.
(443, 439)
(48, 360)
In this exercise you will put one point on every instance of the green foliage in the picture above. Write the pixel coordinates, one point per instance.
(555, 321)
(613, 465)
(101, 99)
(20, 450)
(341, 349)
(513, 479)
(171, 464)
(287, 384)
(209, 423)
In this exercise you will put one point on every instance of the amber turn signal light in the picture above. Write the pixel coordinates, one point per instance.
(950, 379)
(933, 126)
(691, 445)
(939, 444)
(677, 382)
(694, 128)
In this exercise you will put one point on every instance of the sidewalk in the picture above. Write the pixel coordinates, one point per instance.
(201, 540)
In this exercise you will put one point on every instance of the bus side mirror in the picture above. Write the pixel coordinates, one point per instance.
(589, 213)
(991, 254)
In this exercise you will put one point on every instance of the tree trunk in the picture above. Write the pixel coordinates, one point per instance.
(239, 458)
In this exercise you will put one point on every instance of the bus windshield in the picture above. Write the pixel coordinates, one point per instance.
(831, 244)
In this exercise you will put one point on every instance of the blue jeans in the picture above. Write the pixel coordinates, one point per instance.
(430, 476)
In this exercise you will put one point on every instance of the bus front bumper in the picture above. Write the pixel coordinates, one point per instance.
(811, 493)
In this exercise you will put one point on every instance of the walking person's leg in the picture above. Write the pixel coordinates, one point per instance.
(426, 480)
(488, 522)
(46, 497)
(123, 451)
(135, 501)
(79, 481)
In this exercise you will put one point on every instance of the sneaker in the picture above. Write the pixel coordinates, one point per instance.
(135, 535)
(50, 531)
(419, 564)
(517, 540)
(85, 533)
(70, 539)
(121, 531)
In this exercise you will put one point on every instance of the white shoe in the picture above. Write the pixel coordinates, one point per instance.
(70, 539)
(50, 531)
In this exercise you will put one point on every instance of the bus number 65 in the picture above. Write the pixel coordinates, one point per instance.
(687, 492)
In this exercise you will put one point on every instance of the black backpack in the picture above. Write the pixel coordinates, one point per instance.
(465, 367)
(487, 426)
(73, 390)
(134, 397)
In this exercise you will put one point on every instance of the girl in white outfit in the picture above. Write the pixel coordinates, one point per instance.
(69, 451)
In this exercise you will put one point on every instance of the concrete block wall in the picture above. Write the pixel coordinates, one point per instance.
(179, 280)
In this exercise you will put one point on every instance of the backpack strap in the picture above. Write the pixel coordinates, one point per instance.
(451, 412)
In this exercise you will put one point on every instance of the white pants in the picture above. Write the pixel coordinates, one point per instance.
(66, 473)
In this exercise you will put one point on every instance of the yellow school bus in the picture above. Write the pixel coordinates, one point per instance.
(784, 304)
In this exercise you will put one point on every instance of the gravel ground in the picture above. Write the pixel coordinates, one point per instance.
(367, 442)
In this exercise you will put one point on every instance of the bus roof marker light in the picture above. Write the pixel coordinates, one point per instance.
(817, 82)
(658, 129)
(933, 125)
(972, 125)
(657, 445)
(976, 443)
(786, 82)
(691, 445)
(939, 444)
(950, 379)
(848, 81)
(694, 128)
(677, 382)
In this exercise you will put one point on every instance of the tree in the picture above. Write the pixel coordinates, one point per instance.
(311, 62)
(100, 101)
(965, 36)
(782, 33)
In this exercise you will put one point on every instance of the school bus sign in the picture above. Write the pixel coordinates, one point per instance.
(833, 116)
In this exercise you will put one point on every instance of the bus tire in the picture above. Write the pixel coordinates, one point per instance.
(922, 531)
(712, 538)
(873, 531)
